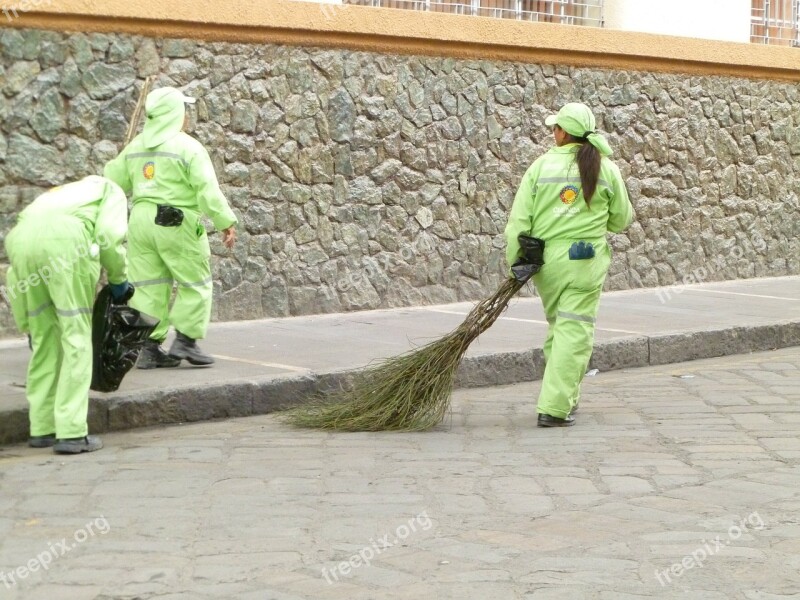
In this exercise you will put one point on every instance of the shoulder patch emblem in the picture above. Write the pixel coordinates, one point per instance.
(149, 170)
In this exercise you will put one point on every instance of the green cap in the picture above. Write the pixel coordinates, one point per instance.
(165, 109)
(577, 120)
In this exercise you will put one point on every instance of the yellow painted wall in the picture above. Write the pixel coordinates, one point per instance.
(405, 31)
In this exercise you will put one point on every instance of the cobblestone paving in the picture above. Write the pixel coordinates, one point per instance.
(668, 487)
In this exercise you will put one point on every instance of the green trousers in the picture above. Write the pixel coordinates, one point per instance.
(17, 302)
(55, 279)
(570, 292)
(160, 257)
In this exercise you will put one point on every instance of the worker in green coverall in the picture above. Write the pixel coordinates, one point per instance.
(56, 249)
(569, 197)
(172, 182)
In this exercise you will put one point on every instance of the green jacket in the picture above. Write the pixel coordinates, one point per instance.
(101, 206)
(550, 205)
(177, 172)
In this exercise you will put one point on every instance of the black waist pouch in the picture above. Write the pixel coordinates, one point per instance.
(169, 216)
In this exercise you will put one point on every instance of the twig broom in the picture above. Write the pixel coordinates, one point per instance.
(409, 392)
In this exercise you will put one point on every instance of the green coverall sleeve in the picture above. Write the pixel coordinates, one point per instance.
(519, 220)
(110, 232)
(16, 301)
(620, 210)
(116, 171)
(210, 199)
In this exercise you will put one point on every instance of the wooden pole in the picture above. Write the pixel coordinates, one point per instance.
(137, 113)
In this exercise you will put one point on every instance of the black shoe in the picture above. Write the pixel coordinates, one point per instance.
(42, 441)
(90, 443)
(186, 347)
(551, 421)
(153, 356)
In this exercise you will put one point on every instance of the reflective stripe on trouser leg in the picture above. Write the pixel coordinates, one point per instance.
(572, 348)
(146, 270)
(191, 312)
(189, 263)
(181, 253)
(45, 362)
(73, 296)
(570, 292)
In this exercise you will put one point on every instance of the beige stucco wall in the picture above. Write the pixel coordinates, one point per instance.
(400, 31)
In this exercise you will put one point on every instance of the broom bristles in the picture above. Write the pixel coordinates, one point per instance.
(409, 392)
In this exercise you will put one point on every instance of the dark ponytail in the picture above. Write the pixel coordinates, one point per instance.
(589, 168)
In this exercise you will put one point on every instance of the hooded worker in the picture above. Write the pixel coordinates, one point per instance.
(569, 197)
(56, 250)
(172, 182)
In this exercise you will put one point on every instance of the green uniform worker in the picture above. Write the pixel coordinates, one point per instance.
(56, 249)
(172, 182)
(569, 197)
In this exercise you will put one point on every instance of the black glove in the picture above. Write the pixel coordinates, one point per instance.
(532, 250)
(121, 292)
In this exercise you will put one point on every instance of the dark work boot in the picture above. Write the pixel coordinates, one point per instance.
(42, 441)
(89, 443)
(153, 356)
(551, 421)
(186, 347)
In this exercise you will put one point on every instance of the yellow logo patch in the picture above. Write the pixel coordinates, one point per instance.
(149, 170)
(569, 194)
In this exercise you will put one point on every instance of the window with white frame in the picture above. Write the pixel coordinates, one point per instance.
(775, 22)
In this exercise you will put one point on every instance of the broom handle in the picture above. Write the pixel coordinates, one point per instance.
(137, 112)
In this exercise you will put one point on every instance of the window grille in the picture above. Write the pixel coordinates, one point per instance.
(775, 22)
(567, 12)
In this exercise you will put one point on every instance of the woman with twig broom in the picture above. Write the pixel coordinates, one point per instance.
(550, 223)
(570, 197)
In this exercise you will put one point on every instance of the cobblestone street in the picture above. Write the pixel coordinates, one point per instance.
(679, 481)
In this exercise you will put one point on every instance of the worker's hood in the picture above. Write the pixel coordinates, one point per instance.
(165, 109)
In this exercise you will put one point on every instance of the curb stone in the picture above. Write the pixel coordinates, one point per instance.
(266, 395)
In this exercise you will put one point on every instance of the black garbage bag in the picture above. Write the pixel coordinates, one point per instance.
(118, 336)
(532, 250)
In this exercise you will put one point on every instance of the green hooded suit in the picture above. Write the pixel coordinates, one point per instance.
(56, 250)
(164, 166)
(550, 205)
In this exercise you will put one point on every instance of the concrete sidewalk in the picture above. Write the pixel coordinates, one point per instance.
(263, 365)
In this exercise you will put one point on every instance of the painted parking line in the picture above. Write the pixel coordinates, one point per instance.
(262, 364)
(741, 294)
(535, 321)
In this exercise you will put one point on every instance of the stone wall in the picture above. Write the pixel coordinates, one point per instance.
(370, 181)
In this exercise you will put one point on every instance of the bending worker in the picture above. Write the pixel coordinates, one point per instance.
(56, 250)
(569, 197)
(172, 182)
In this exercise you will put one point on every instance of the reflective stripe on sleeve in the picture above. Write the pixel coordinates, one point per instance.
(74, 312)
(39, 309)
